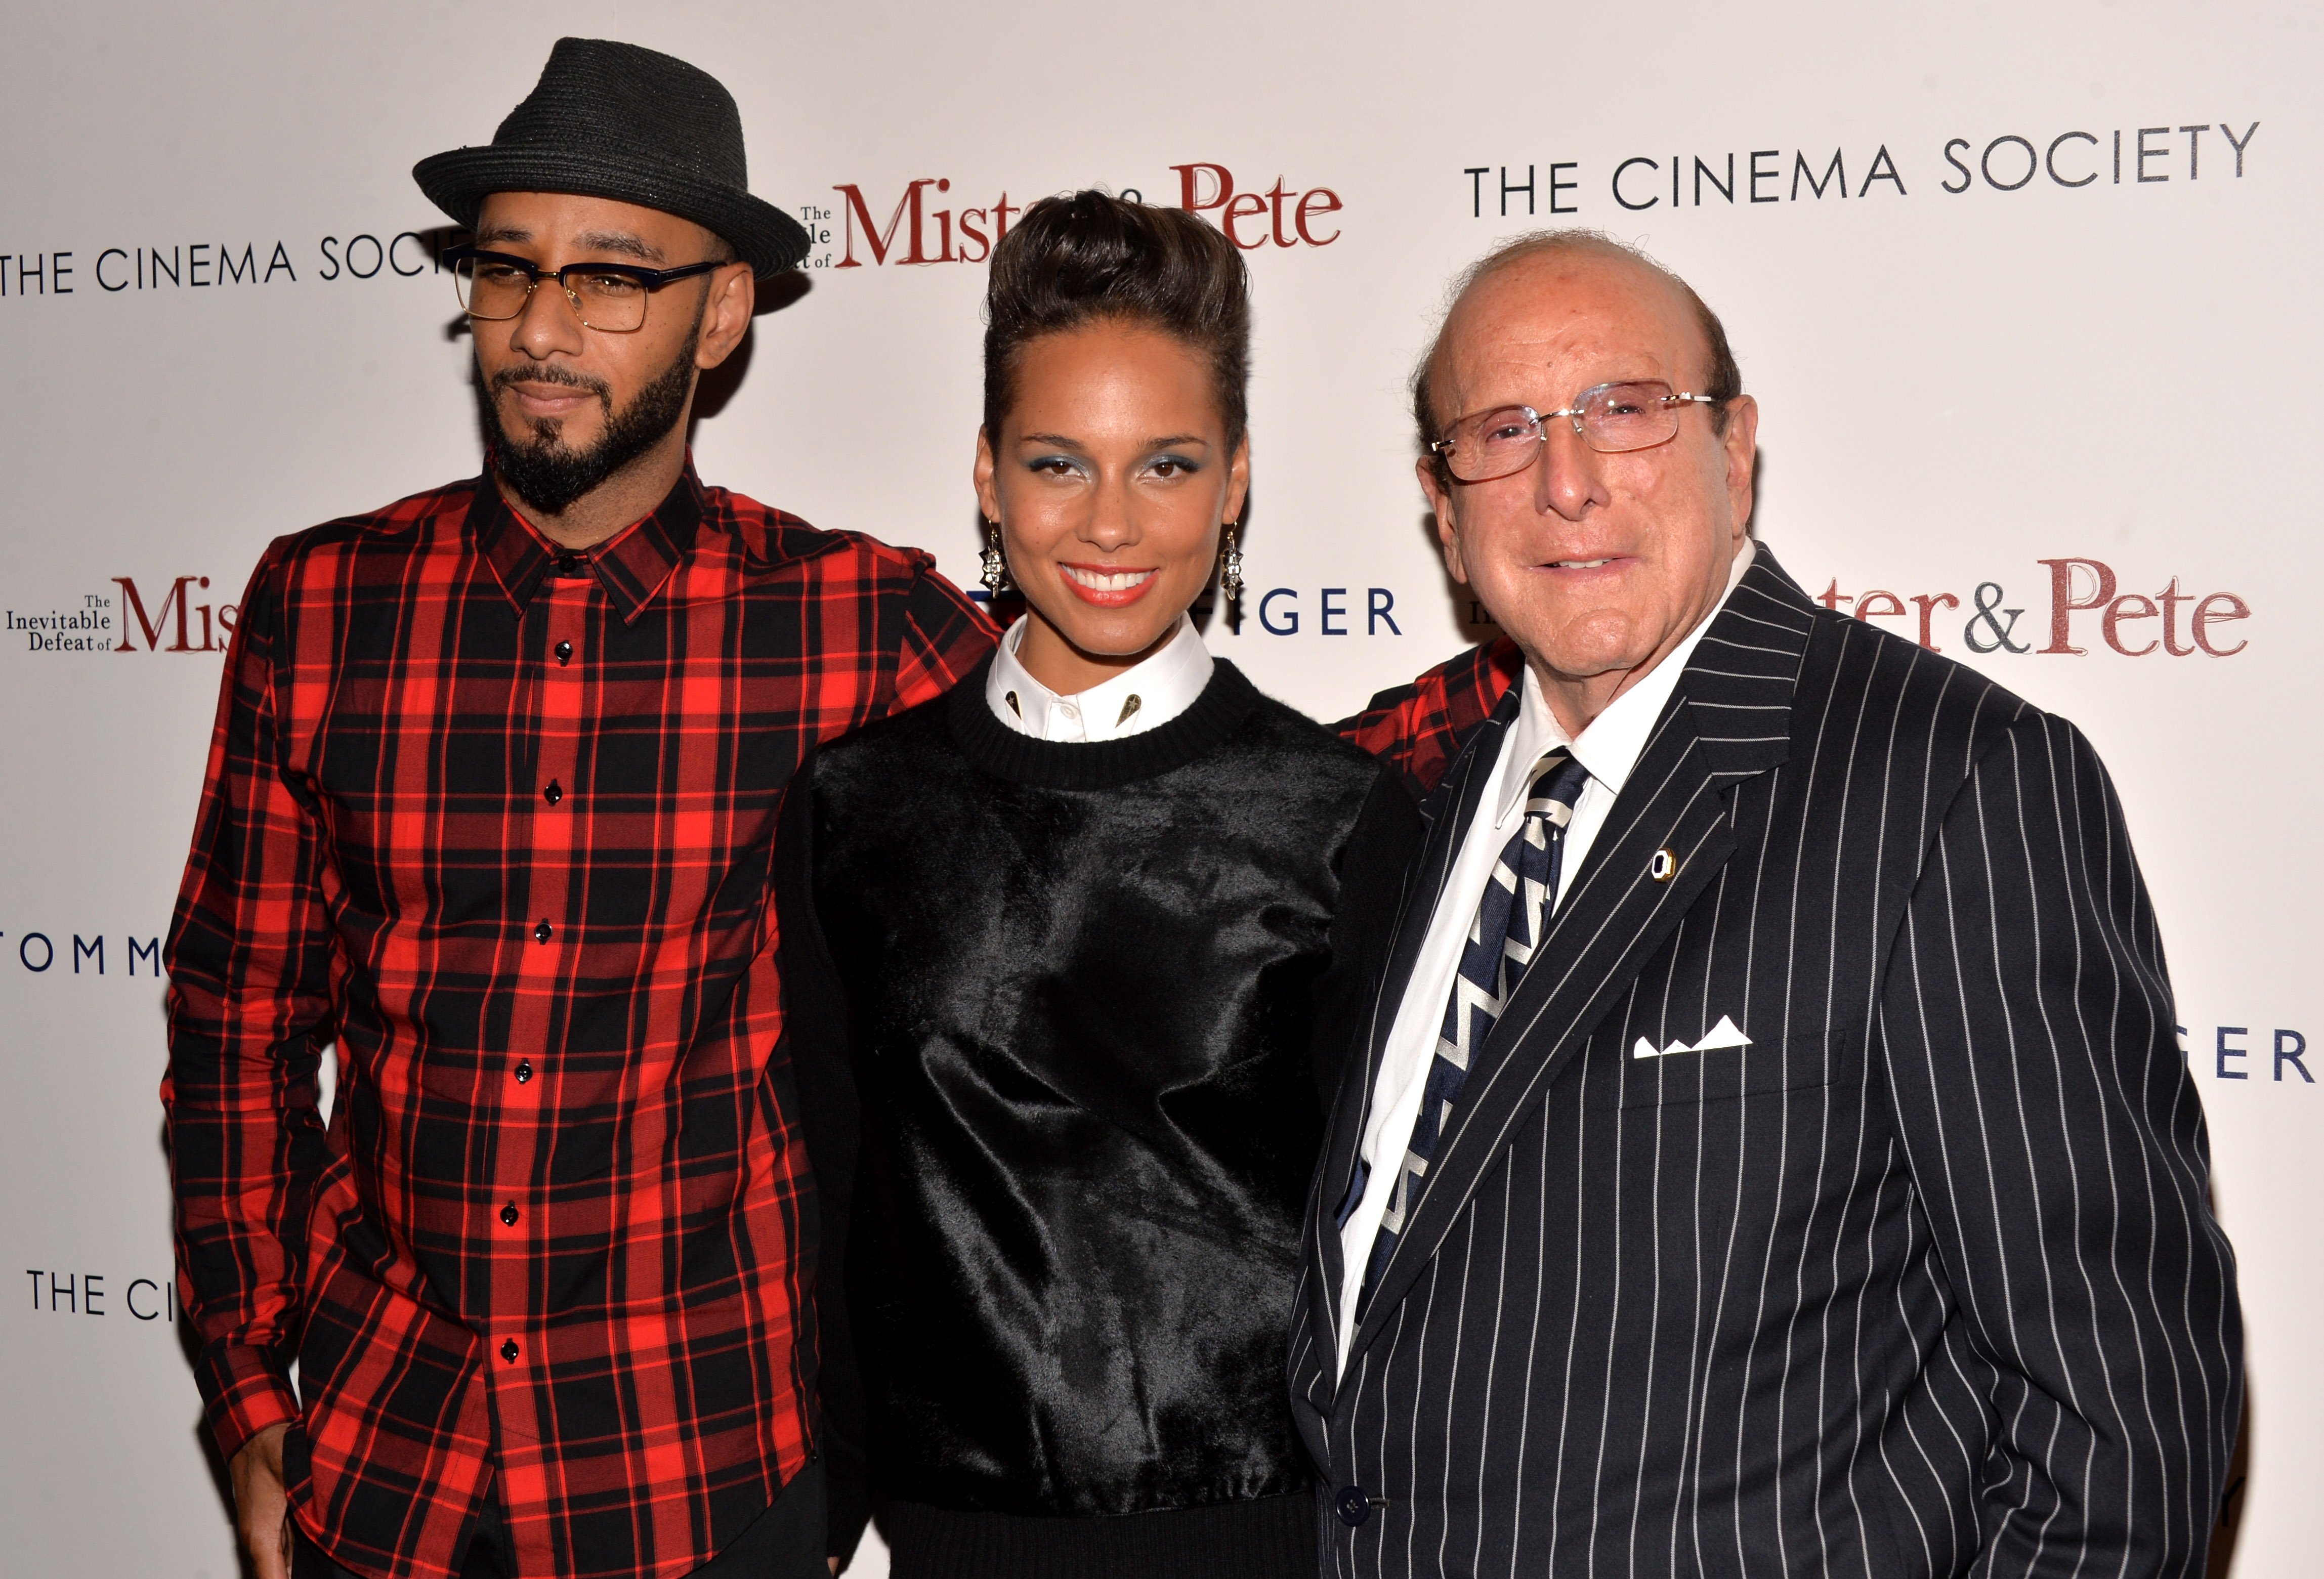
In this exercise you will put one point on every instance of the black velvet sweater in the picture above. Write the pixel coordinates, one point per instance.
(1055, 1011)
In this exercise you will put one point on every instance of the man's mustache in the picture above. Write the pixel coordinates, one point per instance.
(552, 372)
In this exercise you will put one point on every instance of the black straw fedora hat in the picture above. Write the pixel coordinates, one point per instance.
(613, 120)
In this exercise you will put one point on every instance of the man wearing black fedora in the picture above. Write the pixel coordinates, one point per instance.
(488, 808)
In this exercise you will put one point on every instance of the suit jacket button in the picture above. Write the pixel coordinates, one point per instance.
(1352, 1506)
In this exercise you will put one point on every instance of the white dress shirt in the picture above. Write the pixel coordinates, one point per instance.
(1143, 697)
(1608, 748)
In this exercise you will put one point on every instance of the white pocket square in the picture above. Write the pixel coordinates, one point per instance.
(1725, 1034)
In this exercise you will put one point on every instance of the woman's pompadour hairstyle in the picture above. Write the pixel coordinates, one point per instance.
(1090, 257)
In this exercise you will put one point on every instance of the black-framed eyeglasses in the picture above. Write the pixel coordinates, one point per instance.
(609, 297)
(1609, 418)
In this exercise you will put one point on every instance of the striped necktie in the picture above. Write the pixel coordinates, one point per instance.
(1518, 899)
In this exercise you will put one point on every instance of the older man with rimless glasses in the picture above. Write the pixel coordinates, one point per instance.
(490, 806)
(1769, 1152)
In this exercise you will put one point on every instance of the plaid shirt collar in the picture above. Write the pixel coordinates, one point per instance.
(632, 565)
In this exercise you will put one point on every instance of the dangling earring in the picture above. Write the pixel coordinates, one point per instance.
(1231, 568)
(996, 563)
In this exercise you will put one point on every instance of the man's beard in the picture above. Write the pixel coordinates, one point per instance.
(550, 475)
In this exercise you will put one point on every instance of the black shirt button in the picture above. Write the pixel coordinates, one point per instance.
(1352, 1506)
(508, 1350)
(570, 565)
(564, 653)
(508, 1213)
(554, 793)
(541, 933)
(524, 1070)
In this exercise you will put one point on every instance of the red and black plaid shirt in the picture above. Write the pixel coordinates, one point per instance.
(1420, 728)
(496, 819)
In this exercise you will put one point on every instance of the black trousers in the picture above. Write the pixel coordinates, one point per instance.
(785, 1542)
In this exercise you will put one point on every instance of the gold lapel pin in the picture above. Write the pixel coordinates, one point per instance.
(1664, 864)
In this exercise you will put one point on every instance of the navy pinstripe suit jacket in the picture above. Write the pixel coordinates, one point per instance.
(1923, 1280)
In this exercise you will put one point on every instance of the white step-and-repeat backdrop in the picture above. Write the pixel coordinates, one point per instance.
(2029, 296)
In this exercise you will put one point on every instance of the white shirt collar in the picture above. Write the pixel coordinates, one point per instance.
(1160, 688)
(1608, 747)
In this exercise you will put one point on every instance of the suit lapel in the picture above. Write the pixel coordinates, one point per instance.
(1447, 813)
(1728, 720)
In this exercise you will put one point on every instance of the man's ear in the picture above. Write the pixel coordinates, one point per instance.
(726, 317)
(1440, 503)
(1741, 444)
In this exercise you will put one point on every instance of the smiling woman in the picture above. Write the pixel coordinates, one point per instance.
(1053, 948)
(1114, 448)
(1109, 480)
